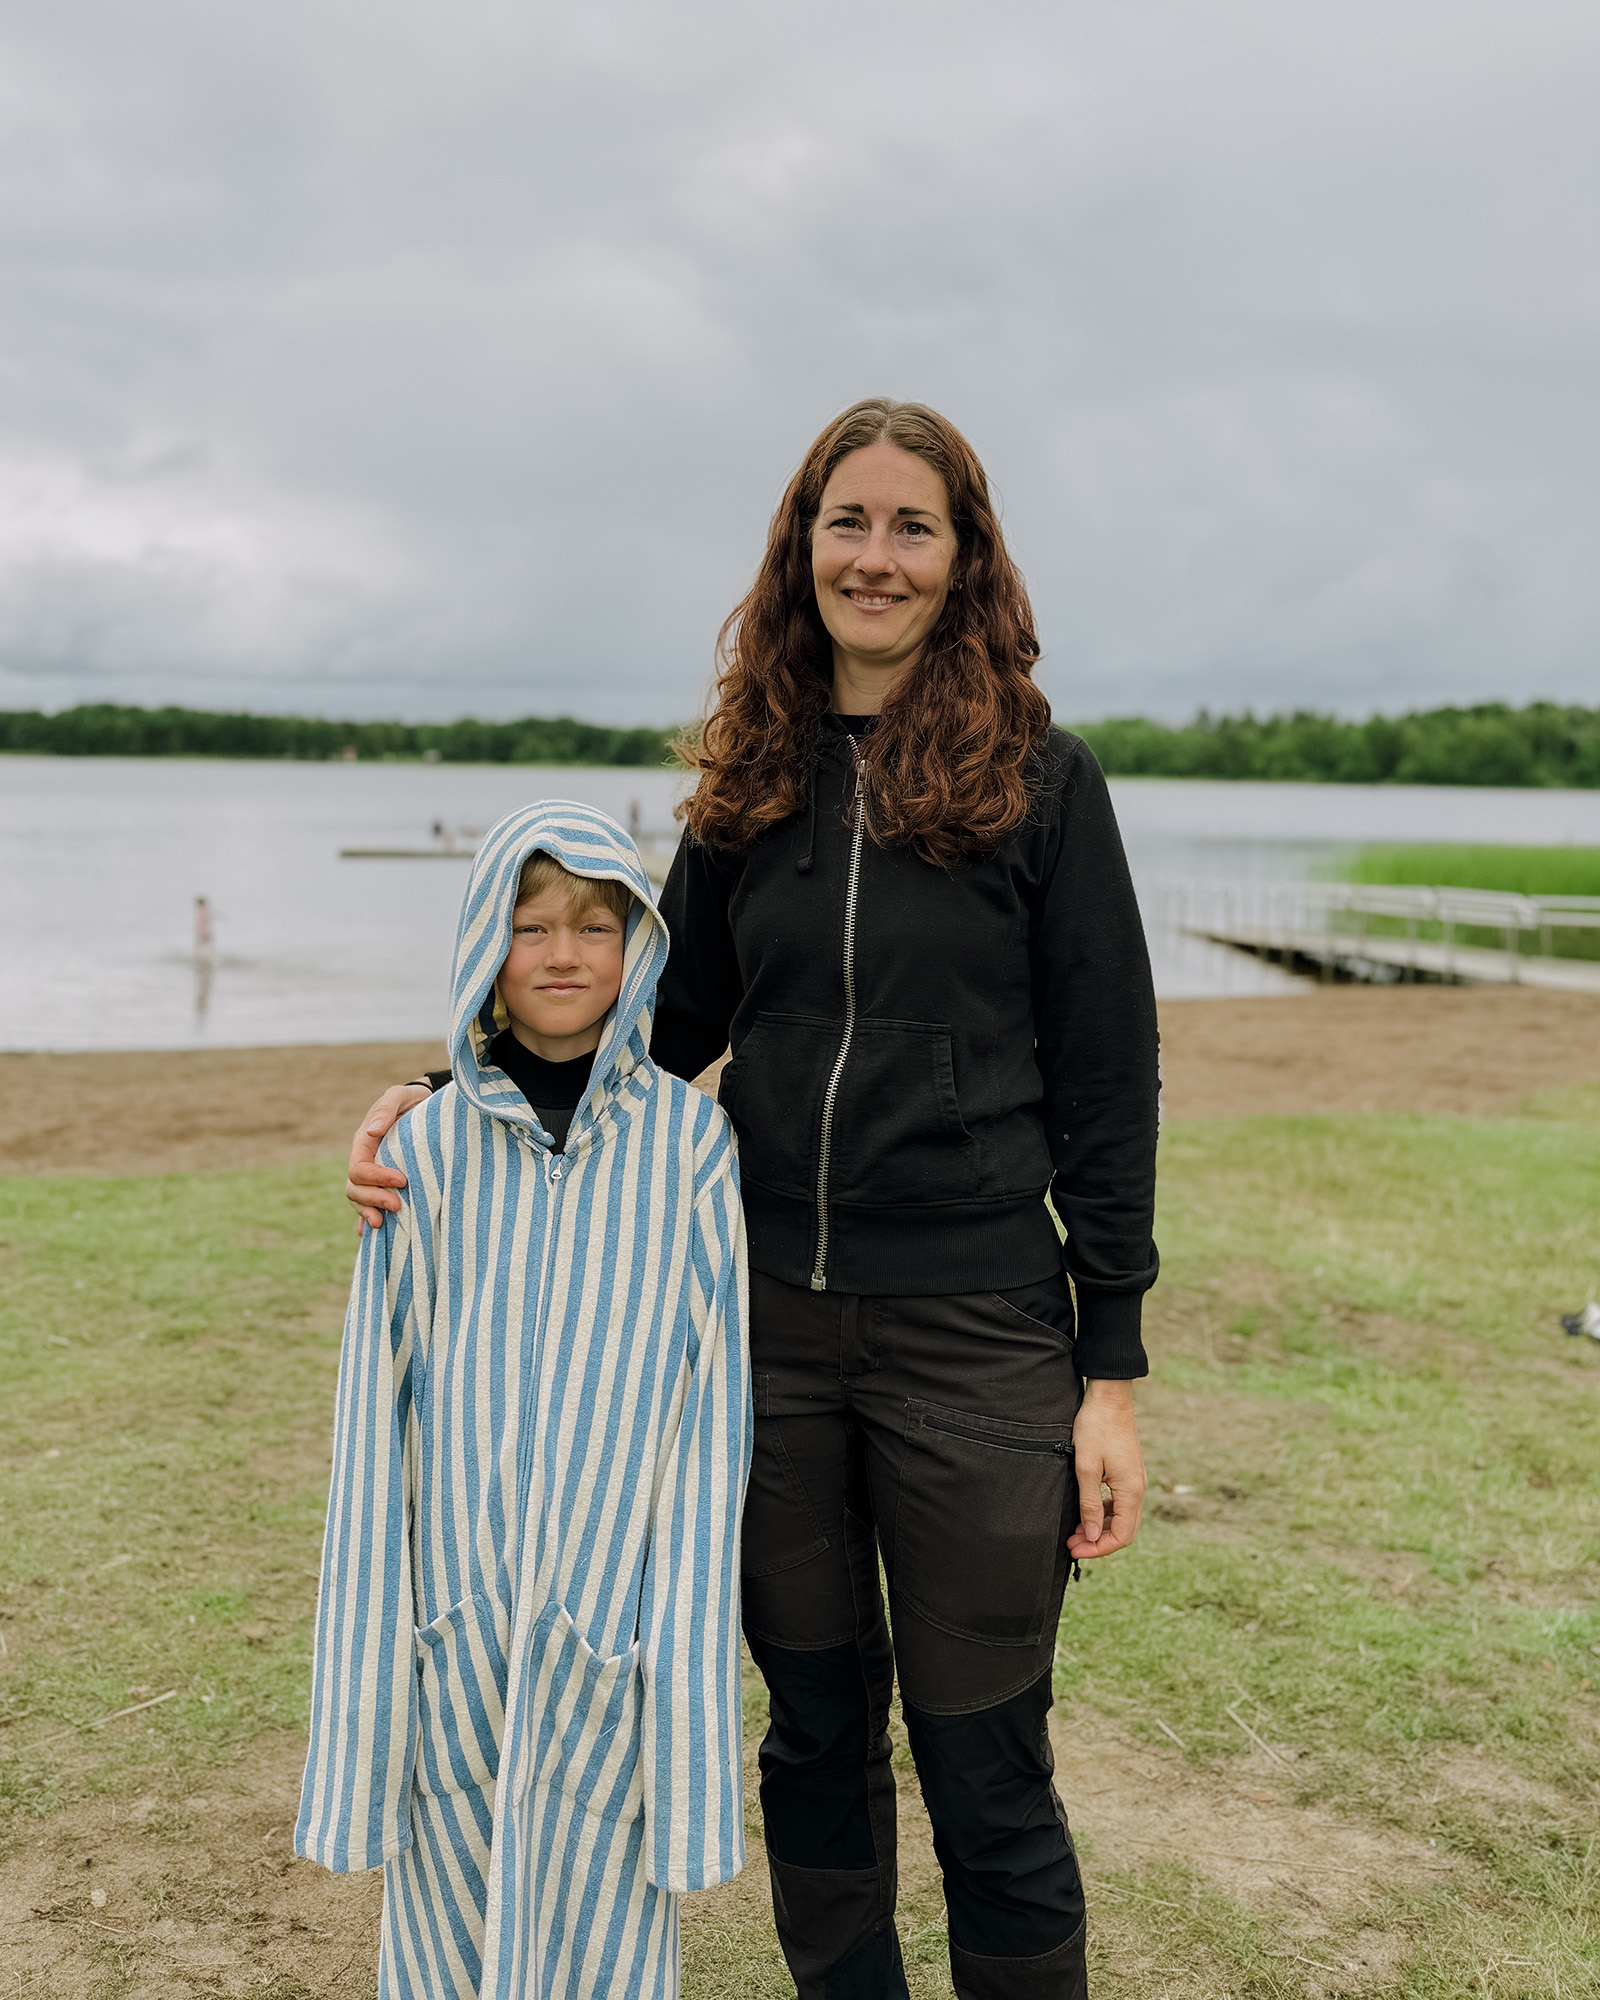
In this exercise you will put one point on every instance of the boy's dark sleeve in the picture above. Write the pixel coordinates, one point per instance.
(1099, 1054)
(701, 986)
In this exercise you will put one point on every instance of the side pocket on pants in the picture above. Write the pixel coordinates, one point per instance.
(781, 1529)
(983, 1512)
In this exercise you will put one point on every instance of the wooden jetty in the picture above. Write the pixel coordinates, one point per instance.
(1322, 930)
(1388, 960)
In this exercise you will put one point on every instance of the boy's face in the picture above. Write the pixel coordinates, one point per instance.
(561, 976)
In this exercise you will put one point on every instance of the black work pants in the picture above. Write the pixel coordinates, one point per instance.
(936, 1433)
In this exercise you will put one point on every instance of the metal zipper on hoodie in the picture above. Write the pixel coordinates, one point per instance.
(528, 1438)
(819, 1272)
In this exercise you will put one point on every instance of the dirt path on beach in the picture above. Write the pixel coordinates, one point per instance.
(1477, 1051)
(201, 1895)
(1466, 1051)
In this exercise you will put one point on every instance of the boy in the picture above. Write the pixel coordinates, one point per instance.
(525, 1705)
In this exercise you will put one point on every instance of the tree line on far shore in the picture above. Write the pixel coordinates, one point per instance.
(1491, 744)
(102, 730)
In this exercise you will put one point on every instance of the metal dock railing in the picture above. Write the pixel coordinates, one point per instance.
(1325, 929)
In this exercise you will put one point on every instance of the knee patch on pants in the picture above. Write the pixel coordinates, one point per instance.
(815, 1787)
(1011, 1876)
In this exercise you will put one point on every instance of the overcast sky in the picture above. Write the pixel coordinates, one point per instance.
(381, 357)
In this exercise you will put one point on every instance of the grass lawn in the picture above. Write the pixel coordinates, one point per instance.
(169, 1347)
(1368, 1573)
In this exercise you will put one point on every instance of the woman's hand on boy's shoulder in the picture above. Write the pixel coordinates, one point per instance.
(370, 1188)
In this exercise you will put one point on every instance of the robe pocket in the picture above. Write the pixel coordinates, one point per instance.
(461, 1695)
(584, 1721)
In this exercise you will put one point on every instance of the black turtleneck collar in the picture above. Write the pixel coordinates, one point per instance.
(554, 1090)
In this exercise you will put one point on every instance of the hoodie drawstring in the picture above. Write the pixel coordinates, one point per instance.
(803, 862)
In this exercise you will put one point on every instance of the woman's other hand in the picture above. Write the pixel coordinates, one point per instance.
(369, 1190)
(1106, 1446)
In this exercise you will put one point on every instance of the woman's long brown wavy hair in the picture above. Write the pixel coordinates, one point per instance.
(948, 764)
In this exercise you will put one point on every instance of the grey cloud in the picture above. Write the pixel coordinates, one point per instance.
(402, 359)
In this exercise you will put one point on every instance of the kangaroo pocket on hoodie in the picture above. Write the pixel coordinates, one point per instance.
(897, 1135)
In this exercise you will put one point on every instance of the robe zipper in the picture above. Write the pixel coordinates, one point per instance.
(819, 1271)
(553, 1173)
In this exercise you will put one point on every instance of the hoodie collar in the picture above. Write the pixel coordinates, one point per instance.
(586, 842)
(837, 730)
(838, 726)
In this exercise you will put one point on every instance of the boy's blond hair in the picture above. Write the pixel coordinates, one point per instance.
(542, 871)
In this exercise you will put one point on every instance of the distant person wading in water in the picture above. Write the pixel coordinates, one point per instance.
(902, 902)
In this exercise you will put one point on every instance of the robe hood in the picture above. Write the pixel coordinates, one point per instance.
(586, 842)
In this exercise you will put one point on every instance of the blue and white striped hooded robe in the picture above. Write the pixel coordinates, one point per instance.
(525, 1704)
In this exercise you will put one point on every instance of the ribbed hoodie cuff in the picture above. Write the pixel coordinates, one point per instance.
(1109, 1348)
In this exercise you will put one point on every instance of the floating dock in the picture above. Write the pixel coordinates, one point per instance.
(655, 854)
(406, 853)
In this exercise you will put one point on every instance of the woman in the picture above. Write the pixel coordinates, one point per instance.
(903, 903)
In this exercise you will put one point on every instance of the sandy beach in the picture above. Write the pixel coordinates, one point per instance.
(1468, 1051)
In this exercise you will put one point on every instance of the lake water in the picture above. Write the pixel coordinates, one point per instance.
(101, 860)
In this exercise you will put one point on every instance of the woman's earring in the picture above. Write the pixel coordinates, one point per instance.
(502, 1013)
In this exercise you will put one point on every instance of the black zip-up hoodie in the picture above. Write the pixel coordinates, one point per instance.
(919, 1053)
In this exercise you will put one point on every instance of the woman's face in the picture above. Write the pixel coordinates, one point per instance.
(882, 552)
